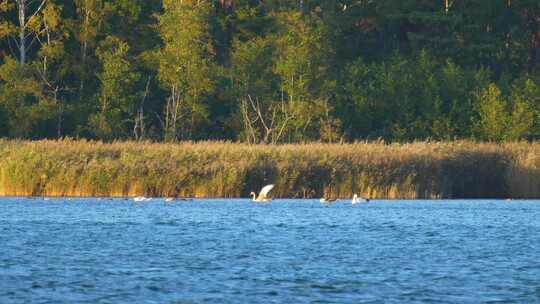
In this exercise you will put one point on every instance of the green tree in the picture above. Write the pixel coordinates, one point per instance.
(493, 116)
(525, 99)
(255, 86)
(185, 65)
(87, 24)
(116, 100)
(303, 64)
(22, 101)
(31, 90)
(51, 65)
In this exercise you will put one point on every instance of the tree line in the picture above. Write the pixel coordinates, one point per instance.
(273, 71)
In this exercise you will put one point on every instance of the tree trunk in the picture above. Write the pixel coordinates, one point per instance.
(534, 40)
(23, 23)
(139, 128)
(21, 5)
(533, 51)
(84, 52)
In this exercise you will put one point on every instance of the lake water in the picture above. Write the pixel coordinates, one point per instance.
(288, 251)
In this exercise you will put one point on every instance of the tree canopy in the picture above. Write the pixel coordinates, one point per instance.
(274, 71)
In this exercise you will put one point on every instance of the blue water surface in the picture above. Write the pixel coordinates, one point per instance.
(288, 251)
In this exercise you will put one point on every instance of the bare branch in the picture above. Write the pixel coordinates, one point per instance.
(257, 109)
(37, 11)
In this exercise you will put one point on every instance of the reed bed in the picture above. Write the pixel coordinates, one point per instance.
(220, 169)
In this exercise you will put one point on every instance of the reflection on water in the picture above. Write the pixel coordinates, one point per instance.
(220, 251)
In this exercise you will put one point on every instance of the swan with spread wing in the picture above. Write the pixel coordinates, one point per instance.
(356, 199)
(263, 194)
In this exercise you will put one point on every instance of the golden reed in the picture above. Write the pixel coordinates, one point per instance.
(421, 170)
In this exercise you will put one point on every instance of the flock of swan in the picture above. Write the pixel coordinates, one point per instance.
(262, 197)
(167, 199)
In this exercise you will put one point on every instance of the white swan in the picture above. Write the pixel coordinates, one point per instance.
(356, 199)
(177, 199)
(327, 200)
(263, 195)
(142, 199)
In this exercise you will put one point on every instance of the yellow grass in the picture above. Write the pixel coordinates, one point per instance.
(218, 169)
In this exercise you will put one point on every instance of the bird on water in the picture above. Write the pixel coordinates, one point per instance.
(263, 194)
(142, 199)
(325, 200)
(356, 199)
(176, 199)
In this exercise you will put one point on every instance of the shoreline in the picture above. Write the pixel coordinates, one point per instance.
(422, 170)
(248, 198)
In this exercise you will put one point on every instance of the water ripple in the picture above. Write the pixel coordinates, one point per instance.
(231, 251)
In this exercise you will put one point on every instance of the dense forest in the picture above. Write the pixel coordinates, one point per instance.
(273, 71)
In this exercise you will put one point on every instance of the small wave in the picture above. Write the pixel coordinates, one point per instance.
(322, 286)
(166, 223)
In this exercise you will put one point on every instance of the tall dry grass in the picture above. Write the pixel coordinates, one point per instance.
(219, 169)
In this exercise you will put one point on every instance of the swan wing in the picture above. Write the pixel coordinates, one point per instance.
(264, 192)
